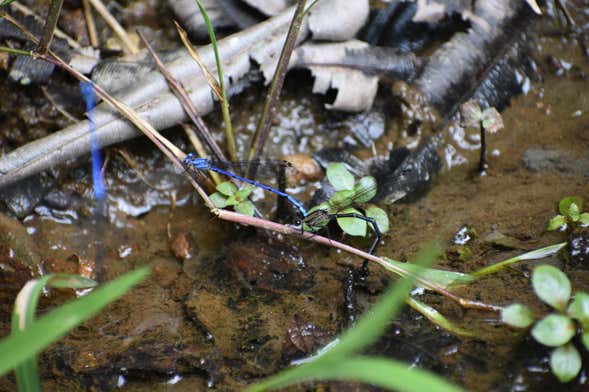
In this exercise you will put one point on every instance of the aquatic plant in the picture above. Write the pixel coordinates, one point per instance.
(570, 315)
(30, 336)
(571, 214)
(228, 195)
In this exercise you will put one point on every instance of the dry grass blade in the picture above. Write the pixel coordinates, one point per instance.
(133, 165)
(115, 26)
(58, 33)
(58, 107)
(199, 148)
(180, 93)
(194, 54)
(90, 25)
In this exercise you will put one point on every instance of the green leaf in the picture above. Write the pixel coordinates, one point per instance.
(218, 200)
(21, 346)
(341, 200)
(585, 340)
(565, 363)
(381, 372)
(365, 190)
(442, 278)
(517, 315)
(27, 374)
(6, 2)
(437, 318)
(574, 212)
(565, 204)
(244, 192)
(584, 219)
(552, 286)
(554, 330)
(556, 222)
(380, 216)
(339, 177)
(245, 208)
(352, 226)
(227, 188)
(71, 281)
(579, 309)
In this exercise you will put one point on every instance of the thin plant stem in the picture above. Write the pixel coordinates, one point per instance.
(58, 33)
(115, 26)
(90, 25)
(263, 128)
(224, 101)
(50, 23)
(290, 230)
(180, 92)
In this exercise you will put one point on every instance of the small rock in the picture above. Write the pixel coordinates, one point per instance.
(182, 247)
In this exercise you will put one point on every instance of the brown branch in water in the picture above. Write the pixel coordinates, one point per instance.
(263, 128)
(289, 230)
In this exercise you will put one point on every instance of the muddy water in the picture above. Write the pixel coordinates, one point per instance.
(236, 305)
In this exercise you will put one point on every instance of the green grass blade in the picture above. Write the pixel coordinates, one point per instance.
(532, 255)
(437, 318)
(224, 102)
(381, 372)
(23, 316)
(21, 346)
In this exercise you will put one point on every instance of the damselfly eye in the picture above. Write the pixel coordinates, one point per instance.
(298, 222)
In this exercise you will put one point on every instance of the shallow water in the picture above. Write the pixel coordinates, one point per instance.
(236, 309)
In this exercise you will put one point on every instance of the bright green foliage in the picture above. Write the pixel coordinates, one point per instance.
(350, 191)
(517, 315)
(571, 214)
(339, 177)
(229, 196)
(554, 330)
(565, 362)
(552, 286)
(21, 346)
(579, 309)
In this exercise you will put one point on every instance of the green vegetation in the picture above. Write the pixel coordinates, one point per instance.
(30, 336)
(571, 214)
(228, 195)
(349, 192)
(557, 328)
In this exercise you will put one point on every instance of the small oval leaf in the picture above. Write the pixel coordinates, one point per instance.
(517, 315)
(218, 200)
(352, 226)
(554, 330)
(339, 177)
(584, 219)
(365, 190)
(244, 193)
(585, 340)
(565, 362)
(556, 222)
(565, 204)
(227, 188)
(579, 309)
(551, 286)
(245, 208)
(380, 216)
